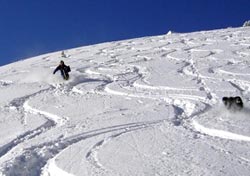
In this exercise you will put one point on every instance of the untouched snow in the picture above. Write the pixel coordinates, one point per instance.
(147, 106)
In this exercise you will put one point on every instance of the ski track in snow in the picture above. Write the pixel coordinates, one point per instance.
(21, 104)
(33, 161)
(220, 133)
(125, 80)
(53, 118)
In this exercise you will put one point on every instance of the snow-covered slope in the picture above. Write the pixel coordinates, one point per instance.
(147, 106)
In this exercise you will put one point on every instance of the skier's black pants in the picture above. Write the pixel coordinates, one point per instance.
(64, 74)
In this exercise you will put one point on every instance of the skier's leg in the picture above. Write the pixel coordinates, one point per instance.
(63, 74)
(66, 75)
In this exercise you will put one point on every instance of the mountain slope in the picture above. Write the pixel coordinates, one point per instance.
(147, 106)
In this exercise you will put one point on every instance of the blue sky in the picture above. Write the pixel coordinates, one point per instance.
(32, 27)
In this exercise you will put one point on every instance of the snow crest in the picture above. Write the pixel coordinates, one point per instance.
(146, 106)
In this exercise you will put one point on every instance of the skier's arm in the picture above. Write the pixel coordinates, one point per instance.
(57, 68)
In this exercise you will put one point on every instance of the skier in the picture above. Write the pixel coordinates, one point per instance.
(233, 103)
(63, 54)
(64, 70)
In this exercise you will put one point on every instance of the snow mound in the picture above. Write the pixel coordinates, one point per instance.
(246, 23)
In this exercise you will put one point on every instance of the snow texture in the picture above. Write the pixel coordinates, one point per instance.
(146, 106)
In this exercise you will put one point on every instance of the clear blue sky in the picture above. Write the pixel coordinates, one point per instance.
(32, 27)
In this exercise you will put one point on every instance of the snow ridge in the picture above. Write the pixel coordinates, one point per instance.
(54, 118)
(220, 133)
(147, 106)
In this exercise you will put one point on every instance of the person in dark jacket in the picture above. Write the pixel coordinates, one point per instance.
(64, 70)
(233, 104)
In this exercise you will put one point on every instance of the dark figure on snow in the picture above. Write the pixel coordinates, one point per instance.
(63, 54)
(64, 70)
(233, 103)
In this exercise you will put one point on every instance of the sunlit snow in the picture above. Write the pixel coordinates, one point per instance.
(146, 106)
